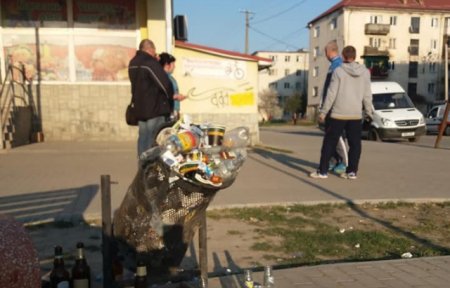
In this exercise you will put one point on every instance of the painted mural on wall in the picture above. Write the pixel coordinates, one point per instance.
(233, 89)
(212, 68)
(94, 60)
(104, 59)
(54, 63)
(96, 56)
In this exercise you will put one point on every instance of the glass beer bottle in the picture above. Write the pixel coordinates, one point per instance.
(81, 272)
(59, 276)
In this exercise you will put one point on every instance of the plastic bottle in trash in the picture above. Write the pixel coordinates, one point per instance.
(140, 280)
(182, 142)
(237, 137)
(248, 279)
(269, 280)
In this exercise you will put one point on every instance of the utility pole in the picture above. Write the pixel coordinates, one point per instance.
(247, 25)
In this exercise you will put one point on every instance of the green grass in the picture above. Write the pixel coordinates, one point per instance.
(313, 231)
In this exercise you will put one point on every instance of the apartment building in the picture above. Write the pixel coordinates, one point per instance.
(288, 74)
(398, 40)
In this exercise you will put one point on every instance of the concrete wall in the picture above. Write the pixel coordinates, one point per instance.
(217, 92)
(85, 112)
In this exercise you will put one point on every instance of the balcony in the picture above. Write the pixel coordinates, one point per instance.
(377, 29)
(414, 30)
(374, 51)
(413, 50)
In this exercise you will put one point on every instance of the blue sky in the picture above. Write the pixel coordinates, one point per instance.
(276, 25)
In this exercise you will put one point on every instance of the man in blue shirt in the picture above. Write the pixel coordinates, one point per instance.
(340, 156)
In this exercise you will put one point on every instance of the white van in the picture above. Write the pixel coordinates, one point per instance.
(395, 116)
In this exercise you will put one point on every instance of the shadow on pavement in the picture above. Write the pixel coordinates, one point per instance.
(57, 205)
(293, 162)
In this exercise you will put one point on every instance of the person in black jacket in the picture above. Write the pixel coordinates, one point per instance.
(152, 93)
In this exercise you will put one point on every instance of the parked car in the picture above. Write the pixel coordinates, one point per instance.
(395, 116)
(434, 119)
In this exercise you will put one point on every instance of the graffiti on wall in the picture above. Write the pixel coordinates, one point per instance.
(223, 97)
(212, 68)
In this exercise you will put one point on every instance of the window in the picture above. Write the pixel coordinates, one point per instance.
(392, 43)
(374, 42)
(432, 67)
(431, 87)
(273, 85)
(272, 72)
(415, 25)
(414, 47)
(316, 71)
(412, 90)
(274, 57)
(298, 85)
(433, 44)
(71, 54)
(298, 58)
(413, 66)
(298, 73)
(286, 72)
(393, 20)
(375, 19)
(315, 91)
(287, 85)
(287, 58)
(316, 31)
(333, 24)
(434, 22)
(316, 52)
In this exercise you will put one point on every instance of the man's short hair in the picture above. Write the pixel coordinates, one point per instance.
(332, 46)
(146, 44)
(349, 52)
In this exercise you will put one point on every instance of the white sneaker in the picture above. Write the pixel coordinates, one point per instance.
(351, 176)
(318, 175)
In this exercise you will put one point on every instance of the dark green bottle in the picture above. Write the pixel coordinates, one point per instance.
(81, 272)
(140, 280)
(59, 276)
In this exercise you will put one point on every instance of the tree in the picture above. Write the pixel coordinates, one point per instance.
(268, 103)
(294, 103)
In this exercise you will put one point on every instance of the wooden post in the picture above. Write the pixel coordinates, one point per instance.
(106, 231)
(443, 125)
(203, 252)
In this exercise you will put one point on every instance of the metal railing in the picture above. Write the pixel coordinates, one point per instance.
(15, 91)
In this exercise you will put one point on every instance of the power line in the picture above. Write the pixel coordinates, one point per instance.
(272, 38)
(285, 37)
(280, 13)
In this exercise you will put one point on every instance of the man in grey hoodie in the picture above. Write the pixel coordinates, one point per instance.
(349, 92)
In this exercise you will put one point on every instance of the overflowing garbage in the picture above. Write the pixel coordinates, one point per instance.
(175, 182)
(204, 154)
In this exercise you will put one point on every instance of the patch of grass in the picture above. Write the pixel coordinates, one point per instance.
(262, 246)
(313, 232)
(394, 205)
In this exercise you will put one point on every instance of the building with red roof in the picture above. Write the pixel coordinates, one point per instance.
(398, 40)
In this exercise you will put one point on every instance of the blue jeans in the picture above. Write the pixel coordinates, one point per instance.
(147, 133)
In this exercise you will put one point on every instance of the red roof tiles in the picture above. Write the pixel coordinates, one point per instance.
(441, 5)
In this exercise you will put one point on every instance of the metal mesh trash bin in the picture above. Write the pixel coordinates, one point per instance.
(162, 210)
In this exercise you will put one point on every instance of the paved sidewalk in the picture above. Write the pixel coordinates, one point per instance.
(61, 180)
(431, 272)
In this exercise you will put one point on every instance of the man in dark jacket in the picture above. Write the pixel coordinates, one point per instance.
(152, 93)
